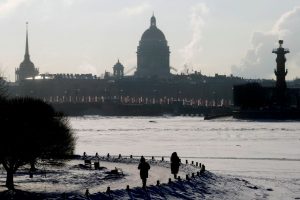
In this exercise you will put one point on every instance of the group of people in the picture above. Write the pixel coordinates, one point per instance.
(144, 167)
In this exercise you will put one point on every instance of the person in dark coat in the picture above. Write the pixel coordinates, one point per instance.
(144, 168)
(175, 163)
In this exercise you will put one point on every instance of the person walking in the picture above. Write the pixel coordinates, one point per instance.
(144, 168)
(97, 161)
(175, 163)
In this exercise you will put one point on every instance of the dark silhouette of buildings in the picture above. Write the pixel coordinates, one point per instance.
(153, 83)
(27, 68)
(279, 102)
(153, 54)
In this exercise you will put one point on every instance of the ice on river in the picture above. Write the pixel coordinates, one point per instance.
(264, 152)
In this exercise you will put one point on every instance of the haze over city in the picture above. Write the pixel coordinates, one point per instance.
(149, 99)
(77, 36)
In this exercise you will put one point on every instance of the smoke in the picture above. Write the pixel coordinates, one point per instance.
(197, 22)
(259, 62)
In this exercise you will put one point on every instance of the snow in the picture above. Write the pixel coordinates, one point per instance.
(208, 186)
(190, 137)
(266, 153)
(77, 177)
(72, 180)
(245, 159)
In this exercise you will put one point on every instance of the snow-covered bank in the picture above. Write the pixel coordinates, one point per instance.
(73, 176)
(207, 186)
(70, 181)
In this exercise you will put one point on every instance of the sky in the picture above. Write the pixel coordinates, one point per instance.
(89, 36)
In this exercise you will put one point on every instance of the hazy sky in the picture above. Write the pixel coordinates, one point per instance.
(212, 36)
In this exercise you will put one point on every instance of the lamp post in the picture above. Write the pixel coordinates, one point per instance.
(155, 95)
(121, 95)
(214, 98)
(76, 94)
(178, 95)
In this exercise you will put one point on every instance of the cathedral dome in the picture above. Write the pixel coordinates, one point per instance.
(153, 33)
(153, 54)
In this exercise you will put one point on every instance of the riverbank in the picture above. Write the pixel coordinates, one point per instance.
(70, 181)
(138, 109)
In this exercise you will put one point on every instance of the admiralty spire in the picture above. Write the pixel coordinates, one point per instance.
(153, 54)
(26, 68)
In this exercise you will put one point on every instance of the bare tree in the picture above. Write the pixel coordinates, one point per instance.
(31, 129)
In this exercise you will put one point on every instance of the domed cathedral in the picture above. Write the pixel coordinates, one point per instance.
(27, 68)
(153, 54)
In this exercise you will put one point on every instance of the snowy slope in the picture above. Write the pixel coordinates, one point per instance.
(208, 186)
(73, 184)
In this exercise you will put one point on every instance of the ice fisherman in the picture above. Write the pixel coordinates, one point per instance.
(175, 163)
(144, 168)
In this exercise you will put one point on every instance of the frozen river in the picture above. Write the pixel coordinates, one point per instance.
(266, 153)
